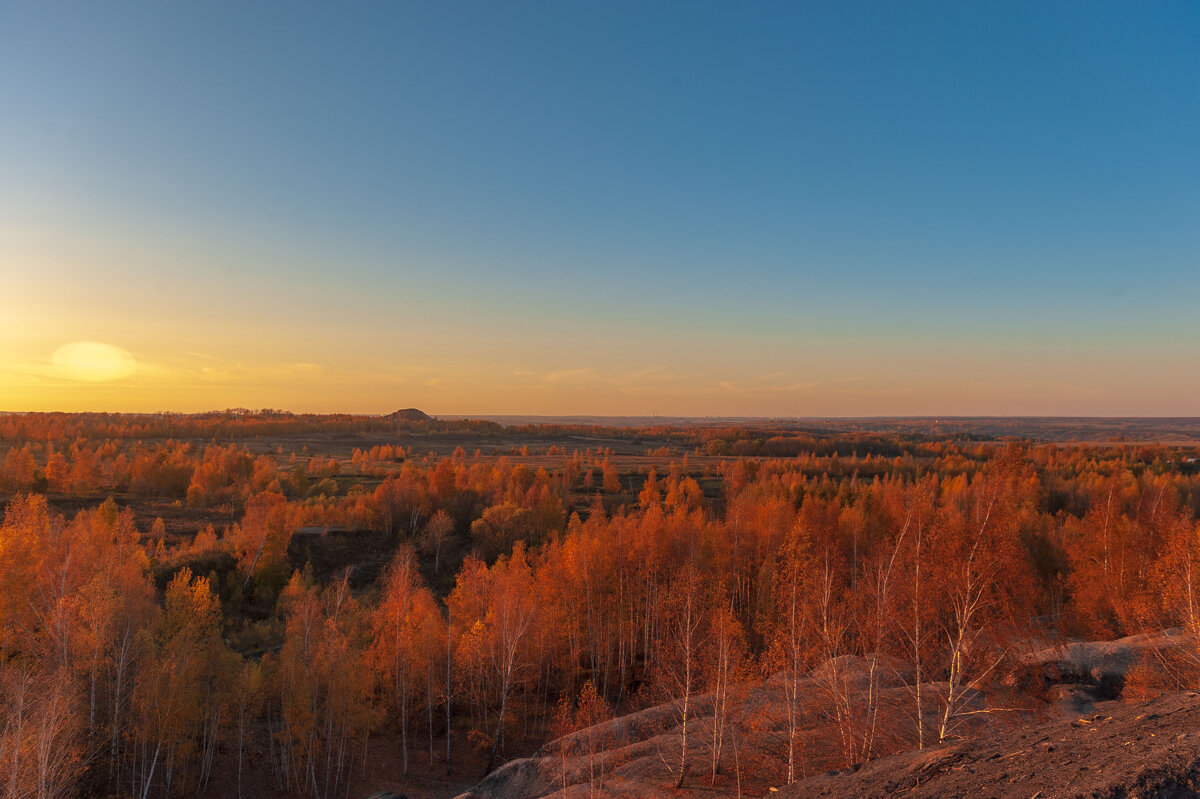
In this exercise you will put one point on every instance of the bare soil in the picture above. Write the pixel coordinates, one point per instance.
(1076, 734)
(1121, 750)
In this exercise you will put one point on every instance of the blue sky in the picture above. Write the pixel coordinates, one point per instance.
(698, 208)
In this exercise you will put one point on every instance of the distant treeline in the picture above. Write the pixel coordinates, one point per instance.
(234, 423)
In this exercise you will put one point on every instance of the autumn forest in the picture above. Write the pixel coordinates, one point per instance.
(261, 603)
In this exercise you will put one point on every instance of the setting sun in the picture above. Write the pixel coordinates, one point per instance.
(92, 361)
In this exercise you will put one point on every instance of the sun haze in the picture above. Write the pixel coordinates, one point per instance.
(601, 208)
(92, 361)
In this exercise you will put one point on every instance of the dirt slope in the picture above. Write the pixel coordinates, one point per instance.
(632, 757)
(1144, 750)
(1072, 736)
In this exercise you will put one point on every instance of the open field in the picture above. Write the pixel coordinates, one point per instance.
(1065, 429)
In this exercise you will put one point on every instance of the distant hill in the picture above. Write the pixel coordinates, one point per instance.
(410, 415)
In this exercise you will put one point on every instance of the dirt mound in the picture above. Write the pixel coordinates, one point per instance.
(409, 415)
(855, 671)
(1145, 750)
(628, 752)
(1065, 736)
(636, 755)
(1100, 666)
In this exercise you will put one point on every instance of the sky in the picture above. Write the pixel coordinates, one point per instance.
(610, 208)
